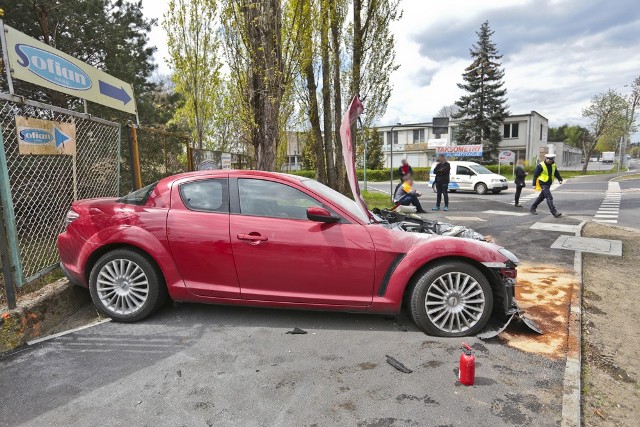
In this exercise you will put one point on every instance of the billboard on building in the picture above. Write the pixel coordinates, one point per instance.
(461, 150)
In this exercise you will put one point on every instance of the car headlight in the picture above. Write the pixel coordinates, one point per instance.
(495, 180)
(514, 259)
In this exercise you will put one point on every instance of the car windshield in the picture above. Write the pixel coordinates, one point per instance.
(479, 169)
(340, 199)
(138, 197)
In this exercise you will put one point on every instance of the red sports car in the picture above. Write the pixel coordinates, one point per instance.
(275, 240)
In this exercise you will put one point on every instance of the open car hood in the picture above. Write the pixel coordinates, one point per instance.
(355, 109)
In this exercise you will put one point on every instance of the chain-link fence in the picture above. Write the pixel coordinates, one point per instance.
(162, 153)
(43, 187)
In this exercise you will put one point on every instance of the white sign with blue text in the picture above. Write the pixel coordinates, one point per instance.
(45, 137)
(38, 63)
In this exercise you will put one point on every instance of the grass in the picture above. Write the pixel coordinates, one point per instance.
(375, 199)
(627, 177)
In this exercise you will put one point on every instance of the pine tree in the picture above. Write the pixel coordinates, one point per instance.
(484, 107)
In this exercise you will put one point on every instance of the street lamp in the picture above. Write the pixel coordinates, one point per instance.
(391, 160)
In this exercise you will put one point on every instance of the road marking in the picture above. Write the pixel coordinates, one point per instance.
(507, 213)
(610, 206)
(63, 333)
(465, 218)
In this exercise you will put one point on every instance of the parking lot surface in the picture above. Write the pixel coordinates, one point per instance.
(208, 365)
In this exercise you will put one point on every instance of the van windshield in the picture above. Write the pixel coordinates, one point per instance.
(479, 169)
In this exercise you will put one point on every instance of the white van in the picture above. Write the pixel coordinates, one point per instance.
(470, 176)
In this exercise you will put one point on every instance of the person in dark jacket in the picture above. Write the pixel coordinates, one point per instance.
(441, 172)
(519, 180)
(405, 169)
(544, 174)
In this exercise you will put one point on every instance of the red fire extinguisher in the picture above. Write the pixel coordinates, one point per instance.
(467, 370)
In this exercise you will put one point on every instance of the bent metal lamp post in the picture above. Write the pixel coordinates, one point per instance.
(391, 160)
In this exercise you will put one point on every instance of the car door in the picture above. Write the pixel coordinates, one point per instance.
(198, 234)
(280, 255)
(464, 177)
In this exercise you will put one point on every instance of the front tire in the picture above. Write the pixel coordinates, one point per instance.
(451, 299)
(126, 285)
(481, 188)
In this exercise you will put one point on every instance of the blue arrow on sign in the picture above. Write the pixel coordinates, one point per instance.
(114, 92)
(61, 138)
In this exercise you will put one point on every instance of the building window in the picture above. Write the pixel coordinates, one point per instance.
(395, 137)
(541, 128)
(418, 135)
(510, 130)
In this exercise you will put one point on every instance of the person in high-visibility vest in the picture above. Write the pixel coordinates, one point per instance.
(543, 176)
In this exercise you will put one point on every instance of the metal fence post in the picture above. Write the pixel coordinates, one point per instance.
(9, 226)
(7, 270)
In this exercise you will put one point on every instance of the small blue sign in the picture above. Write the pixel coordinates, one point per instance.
(52, 68)
(35, 136)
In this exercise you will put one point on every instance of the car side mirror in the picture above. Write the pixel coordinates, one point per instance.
(318, 214)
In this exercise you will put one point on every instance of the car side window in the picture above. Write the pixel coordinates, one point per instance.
(462, 170)
(267, 198)
(207, 195)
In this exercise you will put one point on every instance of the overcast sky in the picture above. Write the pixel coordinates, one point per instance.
(557, 53)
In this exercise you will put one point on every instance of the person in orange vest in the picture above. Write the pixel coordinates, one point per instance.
(543, 175)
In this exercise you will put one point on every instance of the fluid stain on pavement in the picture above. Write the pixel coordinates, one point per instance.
(544, 293)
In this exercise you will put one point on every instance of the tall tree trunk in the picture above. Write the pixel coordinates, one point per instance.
(312, 88)
(336, 25)
(356, 64)
(264, 25)
(326, 93)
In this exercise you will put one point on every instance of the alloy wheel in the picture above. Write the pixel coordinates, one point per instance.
(455, 302)
(122, 286)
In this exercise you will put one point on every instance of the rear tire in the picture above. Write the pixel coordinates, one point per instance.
(126, 285)
(451, 299)
(481, 188)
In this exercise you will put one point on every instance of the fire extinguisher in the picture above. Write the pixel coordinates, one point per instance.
(467, 370)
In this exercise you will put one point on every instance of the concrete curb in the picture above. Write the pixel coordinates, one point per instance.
(51, 304)
(572, 387)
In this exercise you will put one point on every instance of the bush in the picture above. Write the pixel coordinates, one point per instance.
(419, 174)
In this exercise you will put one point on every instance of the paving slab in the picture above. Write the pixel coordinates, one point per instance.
(552, 226)
(587, 244)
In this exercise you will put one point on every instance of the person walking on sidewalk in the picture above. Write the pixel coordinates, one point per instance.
(544, 174)
(519, 181)
(442, 171)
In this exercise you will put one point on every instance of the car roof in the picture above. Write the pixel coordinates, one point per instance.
(459, 162)
(231, 173)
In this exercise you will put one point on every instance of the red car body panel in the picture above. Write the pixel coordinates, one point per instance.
(205, 257)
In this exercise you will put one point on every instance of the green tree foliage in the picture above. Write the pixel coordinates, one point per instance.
(193, 50)
(607, 116)
(483, 107)
(373, 139)
(571, 135)
(111, 35)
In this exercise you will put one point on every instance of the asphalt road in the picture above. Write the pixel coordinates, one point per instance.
(209, 365)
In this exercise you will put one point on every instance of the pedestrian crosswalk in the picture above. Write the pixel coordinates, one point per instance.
(610, 207)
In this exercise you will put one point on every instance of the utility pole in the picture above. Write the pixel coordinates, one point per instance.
(391, 160)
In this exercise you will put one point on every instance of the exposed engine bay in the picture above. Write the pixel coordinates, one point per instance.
(413, 223)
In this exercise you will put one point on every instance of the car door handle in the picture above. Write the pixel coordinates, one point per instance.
(252, 237)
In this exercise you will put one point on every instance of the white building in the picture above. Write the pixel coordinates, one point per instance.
(524, 134)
